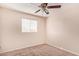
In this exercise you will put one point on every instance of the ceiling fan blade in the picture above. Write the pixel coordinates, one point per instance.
(55, 6)
(46, 11)
(37, 11)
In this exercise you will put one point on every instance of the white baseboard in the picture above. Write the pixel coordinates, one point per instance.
(64, 49)
(3, 51)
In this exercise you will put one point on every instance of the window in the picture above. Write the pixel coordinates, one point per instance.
(29, 25)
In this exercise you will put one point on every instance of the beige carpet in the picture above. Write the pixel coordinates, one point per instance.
(39, 50)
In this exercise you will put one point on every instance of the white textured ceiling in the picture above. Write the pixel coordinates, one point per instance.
(49, 4)
(26, 7)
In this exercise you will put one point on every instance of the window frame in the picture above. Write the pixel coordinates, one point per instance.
(32, 25)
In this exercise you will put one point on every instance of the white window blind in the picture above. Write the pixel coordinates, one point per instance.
(29, 25)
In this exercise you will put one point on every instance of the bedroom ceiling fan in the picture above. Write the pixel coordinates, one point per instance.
(44, 7)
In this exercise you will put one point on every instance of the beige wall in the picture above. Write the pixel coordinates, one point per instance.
(0, 28)
(12, 37)
(63, 27)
